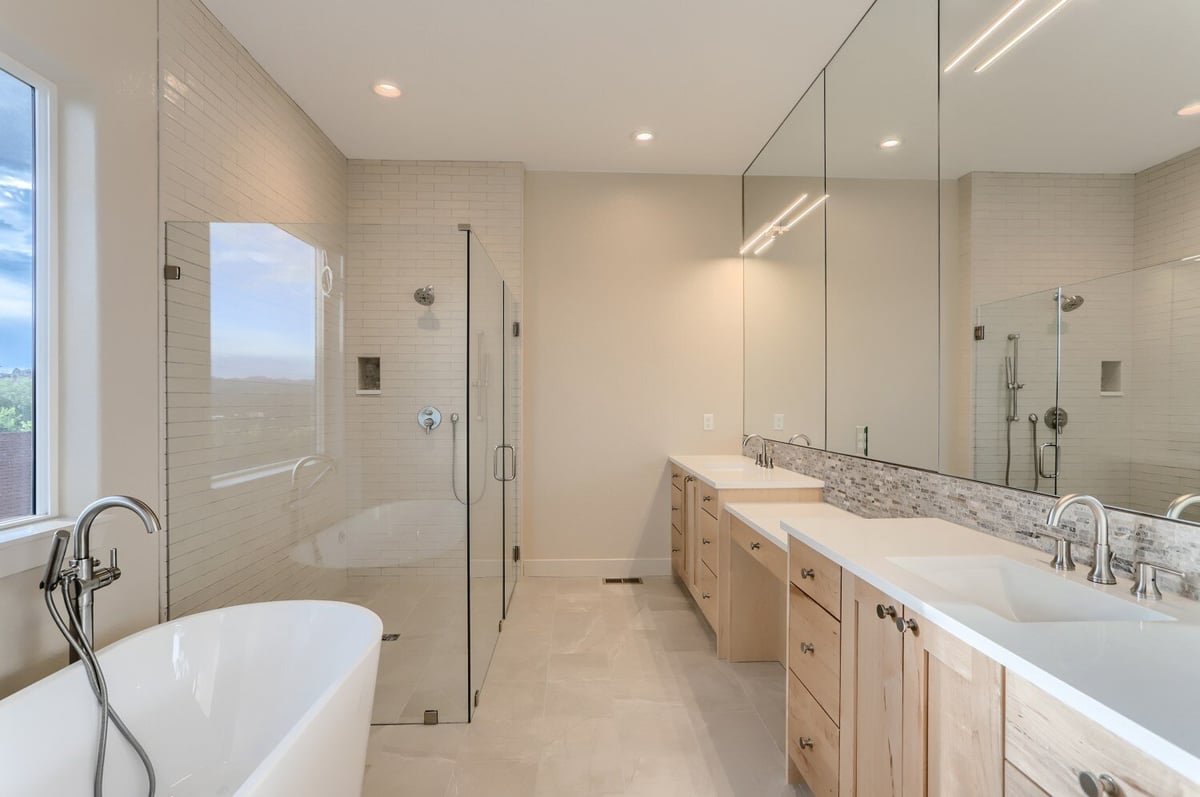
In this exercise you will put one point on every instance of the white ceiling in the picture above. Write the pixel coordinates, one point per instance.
(557, 84)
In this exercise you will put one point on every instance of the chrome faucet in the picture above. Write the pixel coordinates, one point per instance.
(1102, 569)
(807, 440)
(760, 459)
(1175, 510)
(82, 577)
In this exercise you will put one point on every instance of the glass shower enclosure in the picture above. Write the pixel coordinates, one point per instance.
(341, 423)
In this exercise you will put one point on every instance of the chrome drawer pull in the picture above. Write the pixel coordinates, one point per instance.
(1094, 786)
(706, 540)
(806, 647)
(707, 498)
(805, 743)
(705, 595)
(808, 572)
(675, 550)
(754, 546)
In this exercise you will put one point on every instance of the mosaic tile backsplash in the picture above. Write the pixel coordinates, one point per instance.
(877, 489)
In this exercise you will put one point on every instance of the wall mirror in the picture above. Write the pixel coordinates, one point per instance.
(1072, 163)
(784, 278)
(1012, 250)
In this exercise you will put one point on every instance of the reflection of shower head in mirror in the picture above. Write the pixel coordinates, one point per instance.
(1071, 302)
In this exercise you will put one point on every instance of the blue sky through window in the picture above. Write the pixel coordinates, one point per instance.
(16, 223)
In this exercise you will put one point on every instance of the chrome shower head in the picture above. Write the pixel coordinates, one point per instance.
(424, 296)
(1071, 302)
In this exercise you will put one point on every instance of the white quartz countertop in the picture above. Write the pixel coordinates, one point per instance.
(1136, 678)
(732, 471)
(767, 518)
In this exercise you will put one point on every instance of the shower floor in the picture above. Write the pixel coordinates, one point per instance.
(425, 666)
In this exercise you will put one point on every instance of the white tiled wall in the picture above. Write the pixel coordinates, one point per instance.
(402, 236)
(1167, 225)
(235, 148)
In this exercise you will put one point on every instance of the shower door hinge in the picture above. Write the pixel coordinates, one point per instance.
(476, 698)
(979, 332)
(172, 272)
(431, 716)
(516, 553)
(516, 329)
(500, 627)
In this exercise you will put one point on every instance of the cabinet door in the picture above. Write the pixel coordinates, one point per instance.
(878, 691)
(953, 715)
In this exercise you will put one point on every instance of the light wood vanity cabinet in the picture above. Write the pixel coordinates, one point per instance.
(1051, 746)
(917, 712)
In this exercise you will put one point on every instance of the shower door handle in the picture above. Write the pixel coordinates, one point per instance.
(498, 469)
(1042, 460)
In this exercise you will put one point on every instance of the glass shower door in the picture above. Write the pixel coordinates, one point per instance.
(1016, 387)
(485, 439)
(512, 434)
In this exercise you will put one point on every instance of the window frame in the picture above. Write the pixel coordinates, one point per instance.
(45, 309)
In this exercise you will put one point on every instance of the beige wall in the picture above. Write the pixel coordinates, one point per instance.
(102, 58)
(633, 306)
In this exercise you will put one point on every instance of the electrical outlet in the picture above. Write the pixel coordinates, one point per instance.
(778, 426)
(708, 422)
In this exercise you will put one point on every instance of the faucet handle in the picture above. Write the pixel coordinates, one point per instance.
(1062, 559)
(1145, 584)
(112, 558)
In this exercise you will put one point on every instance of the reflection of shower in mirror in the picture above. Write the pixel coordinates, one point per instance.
(424, 296)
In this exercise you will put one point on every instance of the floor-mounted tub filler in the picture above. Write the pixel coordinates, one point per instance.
(262, 699)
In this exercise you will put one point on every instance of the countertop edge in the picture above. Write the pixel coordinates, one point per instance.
(809, 482)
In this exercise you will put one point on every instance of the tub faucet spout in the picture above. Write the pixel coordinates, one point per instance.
(83, 576)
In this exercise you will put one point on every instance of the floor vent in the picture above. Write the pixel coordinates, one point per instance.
(633, 580)
(390, 637)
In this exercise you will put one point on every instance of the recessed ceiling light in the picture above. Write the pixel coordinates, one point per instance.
(643, 136)
(890, 143)
(389, 90)
(1189, 110)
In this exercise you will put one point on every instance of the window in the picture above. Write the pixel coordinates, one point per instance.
(24, 291)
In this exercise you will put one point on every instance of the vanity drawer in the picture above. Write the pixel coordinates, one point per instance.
(815, 650)
(820, 578)
(677, 552)
(708, 499)
(708, 595)
(677, 507)
(767, 553)
(710, 542)
(1052, 744)
(1018, 784)
(807, 725)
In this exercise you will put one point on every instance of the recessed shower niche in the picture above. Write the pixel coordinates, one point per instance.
(368, 376)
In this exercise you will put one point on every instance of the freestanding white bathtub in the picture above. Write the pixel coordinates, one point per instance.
(261, 699)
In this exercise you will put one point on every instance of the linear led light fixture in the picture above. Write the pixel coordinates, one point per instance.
(807, 210)
(983, 36)
(1191, 258)
(775, 223)
(1015, 40)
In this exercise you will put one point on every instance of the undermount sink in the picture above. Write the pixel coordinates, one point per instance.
(1021, 593)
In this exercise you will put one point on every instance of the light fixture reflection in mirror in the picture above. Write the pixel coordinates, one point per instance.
(775, 229)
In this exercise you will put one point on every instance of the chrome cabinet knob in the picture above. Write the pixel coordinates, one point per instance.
(675, 550)
(807, 572)
(908, 624)
(705, 595)
(805, 743)
(806, 647)
(885, 612)
(705, 541)
(707, 498)
(754, 546)
(1098, 785)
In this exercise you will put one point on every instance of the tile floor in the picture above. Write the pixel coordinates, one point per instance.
(600, 690)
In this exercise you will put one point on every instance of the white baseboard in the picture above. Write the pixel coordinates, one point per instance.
(615, 568)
